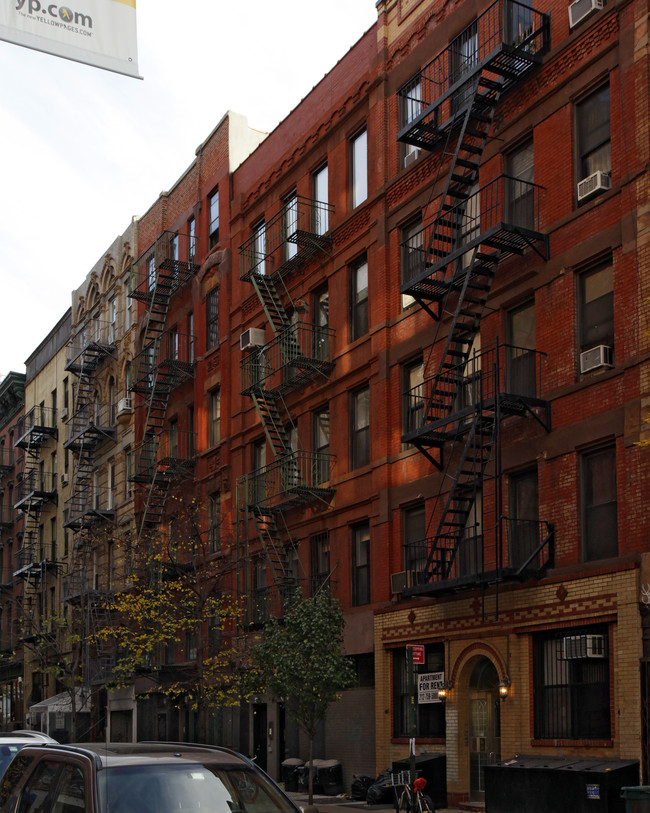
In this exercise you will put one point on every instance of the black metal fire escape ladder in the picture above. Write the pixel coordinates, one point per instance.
(449, 284)
(152, 382)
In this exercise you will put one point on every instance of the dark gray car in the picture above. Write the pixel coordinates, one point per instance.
(137, 778)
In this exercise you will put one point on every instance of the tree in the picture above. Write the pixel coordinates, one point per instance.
(300, 660)
(176, 602)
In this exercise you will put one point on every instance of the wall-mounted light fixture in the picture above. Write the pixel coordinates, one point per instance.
(444, 690)
(504, 688)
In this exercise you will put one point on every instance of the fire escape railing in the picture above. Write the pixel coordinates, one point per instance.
(297, 355)
(170, 453)
(502, 215)
(294, 479)
(503, 373)
(35, 428)
(515, 549)
(507, 39)
(35, 485)
(298, 232)
(94, 342)
(90, 425)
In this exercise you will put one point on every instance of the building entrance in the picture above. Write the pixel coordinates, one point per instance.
(484, 724)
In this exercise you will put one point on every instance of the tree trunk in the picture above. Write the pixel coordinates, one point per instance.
(310, 769)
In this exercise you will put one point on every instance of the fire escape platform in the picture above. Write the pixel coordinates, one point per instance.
(433, 283)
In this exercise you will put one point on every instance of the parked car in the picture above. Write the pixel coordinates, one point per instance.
(12, 741)
(137, 778)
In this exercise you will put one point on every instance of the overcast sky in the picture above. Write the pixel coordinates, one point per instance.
(82, 149)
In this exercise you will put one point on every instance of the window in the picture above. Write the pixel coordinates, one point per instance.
(258, 255)
(361, 564)
(112, 321)
(599, 505)
(321, 197)
(290, 225)
(470, 225)
(212, 317)
(190, 645)
(172, 343)
(521, 371)
(111, 402)
(596, 302)
(259, 469)
(190, 431)
(523, 522)
(415, 546)
(321, 307)
(213, 201)
(259, 592)
(469, 556)
(191, 239)
(214, 418)
(151, 272)
(430, 717)
(593, 134)
(413, 389)
(319, 546)
(322, 445)
(190, 337)
(463, 54)
(173, 248)
(110, 500)
(173, 439)
(412, 260)
(359, 299)
(412, 104)
(360, 428)
(214, 522)
(520, 192)
(359, 167)
(571, 689)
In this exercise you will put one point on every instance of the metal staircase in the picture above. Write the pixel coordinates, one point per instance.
(90, 425)
(449, 269)
(160, 274)
(297, 354)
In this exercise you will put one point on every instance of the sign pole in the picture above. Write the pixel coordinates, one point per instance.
(412, 710)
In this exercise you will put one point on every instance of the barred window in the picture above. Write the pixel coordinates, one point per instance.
(212, 318)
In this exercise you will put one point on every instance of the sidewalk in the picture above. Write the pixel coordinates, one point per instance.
(340, 804)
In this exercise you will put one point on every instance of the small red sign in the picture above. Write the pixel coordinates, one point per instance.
(418, 652)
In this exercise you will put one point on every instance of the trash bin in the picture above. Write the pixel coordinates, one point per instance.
(433, 768)
(289, 773)
(637, 799)
(557, 784)
(303, 776)
(330, 777)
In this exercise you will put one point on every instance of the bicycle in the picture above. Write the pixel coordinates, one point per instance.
(411, 799)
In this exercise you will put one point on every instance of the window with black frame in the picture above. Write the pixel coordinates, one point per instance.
(415, 545)
(522, 370)
(361, 564)
(572, 684)
(413, 398)
(599, 503)
(212, 318)
(430, 716)
(319, 545)
(359, 299)
(520, 192)
(523, 520)
(360, 428)
(593, 134)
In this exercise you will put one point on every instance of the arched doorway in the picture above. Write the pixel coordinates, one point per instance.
(484, 724)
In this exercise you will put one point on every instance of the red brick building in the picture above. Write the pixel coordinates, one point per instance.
(420, 370)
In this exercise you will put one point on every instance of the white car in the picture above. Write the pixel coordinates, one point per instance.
(12, 741)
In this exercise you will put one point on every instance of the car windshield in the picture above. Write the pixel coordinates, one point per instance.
(166, 788)
(7, 753)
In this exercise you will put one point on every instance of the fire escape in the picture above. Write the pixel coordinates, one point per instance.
(37, 487)
(165, 361)
(296, 353)
(92, 424)
(454, 415)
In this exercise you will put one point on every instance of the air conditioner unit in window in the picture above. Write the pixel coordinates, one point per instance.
(64, 479)
(400, 581)
(596, 357)
(64, 414)
(253, 337)
(124, 406)
(575, 647)
(411, 156)
(593, 184)
(581, 9)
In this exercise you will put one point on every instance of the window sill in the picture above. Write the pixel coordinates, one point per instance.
(576, 743)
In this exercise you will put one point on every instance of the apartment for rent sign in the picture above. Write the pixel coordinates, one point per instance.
(101, 33)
